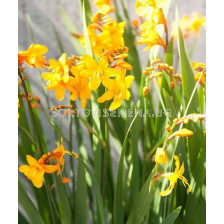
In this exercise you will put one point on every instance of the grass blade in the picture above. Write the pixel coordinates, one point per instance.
(170, 219)
(28, 206)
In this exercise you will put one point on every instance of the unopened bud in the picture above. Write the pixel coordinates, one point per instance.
(37, 99)
(168, 128)
(172, 84)
(145, 91)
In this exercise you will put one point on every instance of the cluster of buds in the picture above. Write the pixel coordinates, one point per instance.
(100, 19)
(74, 61)
(120, 53)
(193, 117)
(68, 109)
(157, 67)
(26, 97)
(115, 57)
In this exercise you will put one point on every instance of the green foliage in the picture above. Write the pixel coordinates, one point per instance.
(114, 179)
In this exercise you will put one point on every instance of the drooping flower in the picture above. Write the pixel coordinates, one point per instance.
(173, 177)
(59, 76)
(117, 89)
(58, 154)
(150, 36)
(161, 156)
(36, 169)
(33, 56)
(152, 11)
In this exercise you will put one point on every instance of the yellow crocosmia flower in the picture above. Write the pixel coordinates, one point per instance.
(150, 37)
(189, 25)
(33, 56)
(197, 22)
(78, 86)
(161, 156)
(59, 76)
(58, 154)
(173, 177)
(112, 35)
(36, 169)
(158, 17)
(105, 36)
(200, 68)
(104, 6)
(181, 133)
(144, 7)
(117, 89)
(97, 71)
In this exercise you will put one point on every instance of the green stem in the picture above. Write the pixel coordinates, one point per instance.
(28, 135)
(144, 142)
(90, 129)
(54, 125)
(50, 200)
(40, 149)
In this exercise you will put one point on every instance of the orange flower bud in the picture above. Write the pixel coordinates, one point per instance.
(135, 23)
(168, 128)
(145, 91)
(36, 98)
(70, 106)
(33, 105)
(172, 84)
(124, 65)
(182, 133)
(65, 180)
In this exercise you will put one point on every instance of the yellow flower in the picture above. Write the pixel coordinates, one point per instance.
(59, 76)
(33, 56)
(150, 36)
(161, 156)
(97, 72)
(104, 6)
(181, 133)
(36, 169)
(145, 7)
(58, 154)
(173, 177)
(117, 89)
(200, 68)
(189, 24)
(104, 34)
(197, 22)
(78, 86)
